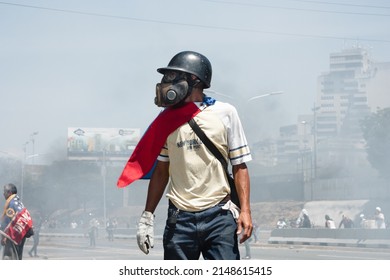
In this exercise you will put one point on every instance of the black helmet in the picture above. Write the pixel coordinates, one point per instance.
(193, 63)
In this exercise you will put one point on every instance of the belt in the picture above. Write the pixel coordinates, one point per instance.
(224, 200)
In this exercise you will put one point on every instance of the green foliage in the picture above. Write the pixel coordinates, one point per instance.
(376, 132)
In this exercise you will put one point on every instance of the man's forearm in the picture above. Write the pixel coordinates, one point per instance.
(242, 182)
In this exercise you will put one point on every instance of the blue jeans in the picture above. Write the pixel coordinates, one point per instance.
(211, 232)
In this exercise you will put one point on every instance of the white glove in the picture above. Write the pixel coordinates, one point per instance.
(233, 208)
(145, 232)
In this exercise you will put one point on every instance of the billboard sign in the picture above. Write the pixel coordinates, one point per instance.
(96, 143)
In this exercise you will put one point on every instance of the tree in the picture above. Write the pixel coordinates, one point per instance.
(376, 132)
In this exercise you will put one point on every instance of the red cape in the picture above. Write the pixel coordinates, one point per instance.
(19, 226)
(148, 148)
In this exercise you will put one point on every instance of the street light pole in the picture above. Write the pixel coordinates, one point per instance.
(23, 168)
(24, 171)
(307, 154)
(248, 100)
(33, 143)
(24, 160)
(264, 95)
(104, 174)
(315, 140)
(218, 93)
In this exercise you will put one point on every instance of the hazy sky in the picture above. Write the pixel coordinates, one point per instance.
(92, 63)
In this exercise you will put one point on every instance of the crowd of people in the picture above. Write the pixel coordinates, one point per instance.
(17, 225)
(375, 221)
(14, 206)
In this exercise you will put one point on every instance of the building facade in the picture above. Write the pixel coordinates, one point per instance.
(326, 147)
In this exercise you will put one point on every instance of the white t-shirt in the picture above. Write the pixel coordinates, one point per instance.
(380, 220)
(197, 178)
(330, 224)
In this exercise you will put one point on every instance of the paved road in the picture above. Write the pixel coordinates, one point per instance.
(77, 248)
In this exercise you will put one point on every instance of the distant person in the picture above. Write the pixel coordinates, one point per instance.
(329, 223)
(110, 227)
(303, 220)
(73, 224)
(281, 223)
(16, 226)
(379, 218)
(37, 228)
(346, 222)
(255, 231)
(93, 231)
(362, 221)
(248, 249)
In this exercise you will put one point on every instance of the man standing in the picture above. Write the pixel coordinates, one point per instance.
(201, 217)
(346, 222)
(379, 218)
(329, 223)
(303, 220)
(37, 229)
(93, 231)
(16, 222)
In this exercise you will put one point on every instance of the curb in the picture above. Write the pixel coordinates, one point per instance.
(383, 244)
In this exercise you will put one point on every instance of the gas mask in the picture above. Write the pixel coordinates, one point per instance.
(169, 94)
(172, 89)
